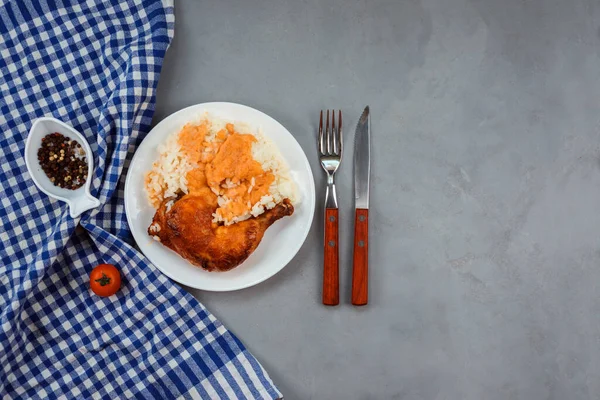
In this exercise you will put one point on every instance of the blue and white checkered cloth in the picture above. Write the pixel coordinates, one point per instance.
(94, 65)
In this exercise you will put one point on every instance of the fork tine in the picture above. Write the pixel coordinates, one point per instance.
(334, 138)
(321, 143)
(340, 136)
(328, 135)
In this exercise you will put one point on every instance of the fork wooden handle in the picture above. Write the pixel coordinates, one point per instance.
(331, 269)
(360, 269)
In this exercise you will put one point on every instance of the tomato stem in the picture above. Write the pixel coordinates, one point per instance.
(105, 280)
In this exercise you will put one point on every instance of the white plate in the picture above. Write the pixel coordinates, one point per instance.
(281, 241)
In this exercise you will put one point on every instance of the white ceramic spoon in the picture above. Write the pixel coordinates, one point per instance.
(79, 200)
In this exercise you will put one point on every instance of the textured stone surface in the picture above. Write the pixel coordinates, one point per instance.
(485, 244)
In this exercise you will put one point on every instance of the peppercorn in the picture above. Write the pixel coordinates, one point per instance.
(65, 167)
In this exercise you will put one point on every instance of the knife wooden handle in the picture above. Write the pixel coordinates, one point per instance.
(331, 269)
(360, 269)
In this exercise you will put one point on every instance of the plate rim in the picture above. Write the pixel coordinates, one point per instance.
(292, 254)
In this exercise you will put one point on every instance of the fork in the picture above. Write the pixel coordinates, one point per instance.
(330, 155)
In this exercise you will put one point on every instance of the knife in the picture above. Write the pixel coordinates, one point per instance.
(362, 171)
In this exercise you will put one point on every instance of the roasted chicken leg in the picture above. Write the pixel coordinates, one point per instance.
(185, 226)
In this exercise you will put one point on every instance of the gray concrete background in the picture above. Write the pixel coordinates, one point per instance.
(485, 244)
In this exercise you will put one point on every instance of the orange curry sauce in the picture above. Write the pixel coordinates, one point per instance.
(226, 167)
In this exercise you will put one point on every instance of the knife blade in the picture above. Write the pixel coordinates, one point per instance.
(362, 159)
(362, 172)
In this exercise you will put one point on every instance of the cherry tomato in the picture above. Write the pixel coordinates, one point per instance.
(105, 280)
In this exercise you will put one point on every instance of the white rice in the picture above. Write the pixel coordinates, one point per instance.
(167, 177)
(154, 228)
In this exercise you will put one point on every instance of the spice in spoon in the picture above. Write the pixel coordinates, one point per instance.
(63, 160)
